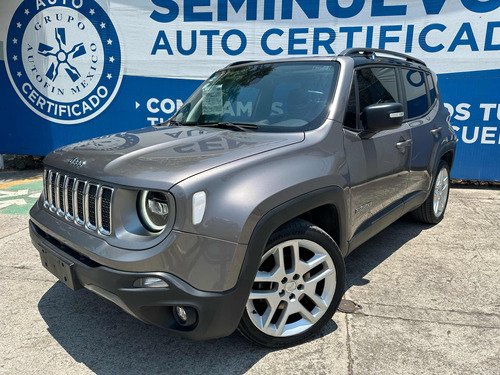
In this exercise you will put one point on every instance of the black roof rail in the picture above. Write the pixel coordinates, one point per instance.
(368, 51)
(240, 63)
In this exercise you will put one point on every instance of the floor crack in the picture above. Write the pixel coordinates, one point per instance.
(11, 234)
(474, 312)
(427, 321)
(348, 346)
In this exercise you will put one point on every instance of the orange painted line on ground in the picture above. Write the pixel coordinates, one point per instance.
(9, 184)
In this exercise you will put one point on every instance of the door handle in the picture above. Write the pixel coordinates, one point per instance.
(435, 131)
(403, 144)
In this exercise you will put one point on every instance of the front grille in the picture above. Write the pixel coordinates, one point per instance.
(84, 202)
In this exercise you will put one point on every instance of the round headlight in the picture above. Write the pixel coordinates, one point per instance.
(153, 210)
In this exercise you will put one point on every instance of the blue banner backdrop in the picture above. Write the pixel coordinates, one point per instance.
(76, 69)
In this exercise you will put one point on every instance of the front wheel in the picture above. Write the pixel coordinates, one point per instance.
(298, 286)
(432, 210)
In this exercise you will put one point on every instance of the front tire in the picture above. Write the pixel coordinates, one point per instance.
(432, 210)
(298, 286)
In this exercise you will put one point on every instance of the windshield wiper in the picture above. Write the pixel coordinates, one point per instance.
(229, 125)
(170, 123)
(175, 123)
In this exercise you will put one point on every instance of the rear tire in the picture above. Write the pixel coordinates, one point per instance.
(432, 210)
(298, 286)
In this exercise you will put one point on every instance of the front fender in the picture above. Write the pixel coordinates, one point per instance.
(241, 192)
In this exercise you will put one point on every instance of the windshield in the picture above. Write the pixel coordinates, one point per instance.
(274, 97)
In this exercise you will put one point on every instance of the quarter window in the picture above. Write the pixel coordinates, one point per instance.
(416, 93)
(351, 112)
(432, 88)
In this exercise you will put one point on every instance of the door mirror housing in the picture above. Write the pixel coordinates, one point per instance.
(382, 116)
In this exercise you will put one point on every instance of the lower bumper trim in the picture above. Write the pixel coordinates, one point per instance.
(218, 312)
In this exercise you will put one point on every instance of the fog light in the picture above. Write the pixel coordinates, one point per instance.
(150, 282)
(181, 313)
(184, 315)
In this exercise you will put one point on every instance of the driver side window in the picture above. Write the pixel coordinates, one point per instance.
(376, 85)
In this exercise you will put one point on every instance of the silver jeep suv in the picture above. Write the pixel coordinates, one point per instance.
(239, 210)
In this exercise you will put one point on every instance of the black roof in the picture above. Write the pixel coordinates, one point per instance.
(360, 56)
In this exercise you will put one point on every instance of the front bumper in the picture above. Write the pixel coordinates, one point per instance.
(217, 313)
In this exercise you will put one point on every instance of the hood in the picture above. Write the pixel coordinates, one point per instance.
(160, 157)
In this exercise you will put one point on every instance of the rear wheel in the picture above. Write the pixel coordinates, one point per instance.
(298, 286)
(432, 210)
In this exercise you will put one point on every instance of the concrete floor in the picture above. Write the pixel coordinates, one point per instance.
(429, 300)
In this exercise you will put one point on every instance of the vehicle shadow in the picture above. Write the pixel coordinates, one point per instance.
(108, 341)
(377, 249)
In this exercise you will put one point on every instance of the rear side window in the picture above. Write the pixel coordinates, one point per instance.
(432, 88)
(416, 93)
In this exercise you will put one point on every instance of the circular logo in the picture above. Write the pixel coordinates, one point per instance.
(291, 286)
(415, 78)
(113, 142)
(63, 58)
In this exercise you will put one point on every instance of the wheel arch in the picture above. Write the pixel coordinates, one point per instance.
(446, 153)
(448, 157)
(315, 207)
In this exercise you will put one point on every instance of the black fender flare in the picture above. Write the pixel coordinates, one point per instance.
(271, 221)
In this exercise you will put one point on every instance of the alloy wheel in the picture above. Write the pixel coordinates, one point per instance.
(441, 189)
(294, 286)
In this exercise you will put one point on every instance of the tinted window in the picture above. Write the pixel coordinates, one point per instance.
(432, 88)
(275, 97)
(377, 85)
(416, 94)
(350, 115)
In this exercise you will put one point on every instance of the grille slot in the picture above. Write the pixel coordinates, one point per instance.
(69, 197)
(60, 194)
(84, 202)
(52, 185)
(45, 185)
(80, 187)
(105, 209)
(90, 209)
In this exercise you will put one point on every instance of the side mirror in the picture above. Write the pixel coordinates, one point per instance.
(383, 116)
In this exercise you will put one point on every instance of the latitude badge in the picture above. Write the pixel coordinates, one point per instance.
(63, 58)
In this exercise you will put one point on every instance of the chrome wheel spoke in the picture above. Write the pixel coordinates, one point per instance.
(265, 277)
(280, 324)
(320, 276)
(266, 318)
(320, 302)
(299, 266)
(307, 315)
(263, 294)
(280, 258)
(315, 261)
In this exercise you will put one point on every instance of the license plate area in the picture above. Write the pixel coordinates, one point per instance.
(60, 267)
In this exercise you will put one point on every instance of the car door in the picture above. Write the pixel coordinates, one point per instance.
(378, 163)
(421, 116)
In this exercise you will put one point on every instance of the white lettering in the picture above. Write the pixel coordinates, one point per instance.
(469, 140)
(149, 106)
(462, 112)
(171, 104)
(486, 134)
(487, 109)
